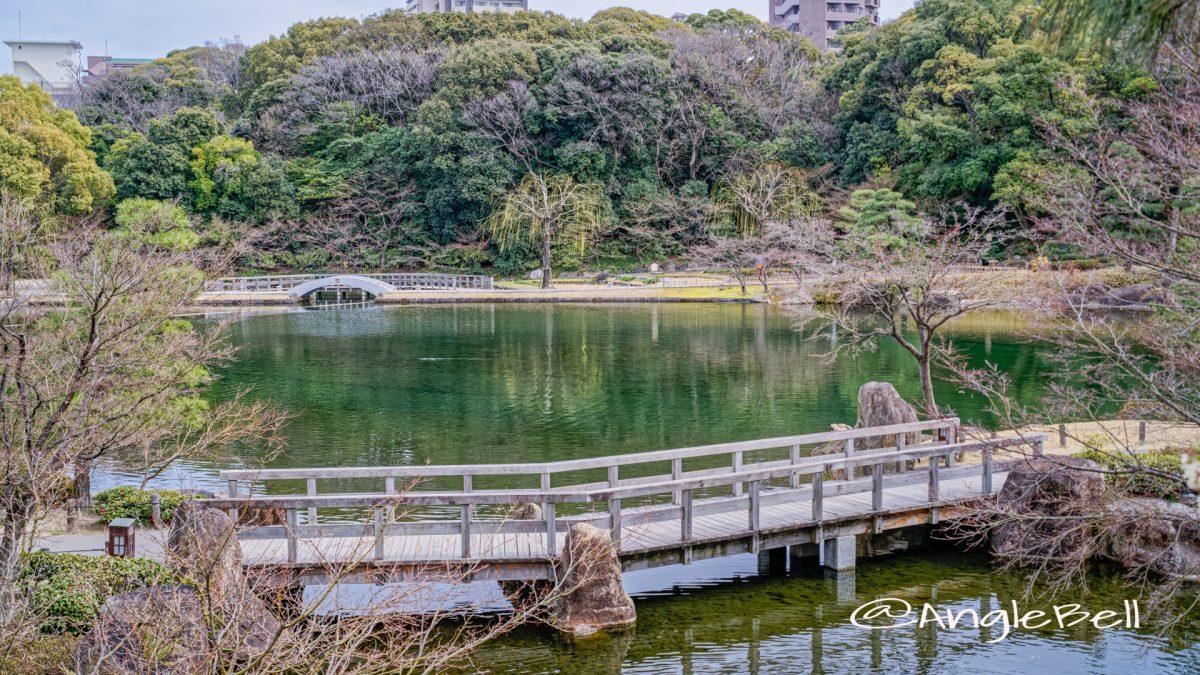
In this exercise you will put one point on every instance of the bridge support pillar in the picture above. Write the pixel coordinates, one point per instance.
(841, 553)
(773, 562)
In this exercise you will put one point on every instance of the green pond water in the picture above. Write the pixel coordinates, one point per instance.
(532, 383)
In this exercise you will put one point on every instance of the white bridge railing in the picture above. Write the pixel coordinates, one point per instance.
(399, 281)
(777, 473)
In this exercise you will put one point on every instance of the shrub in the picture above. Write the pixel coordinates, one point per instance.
(1139, 484)
(129, 502)
(68, 589)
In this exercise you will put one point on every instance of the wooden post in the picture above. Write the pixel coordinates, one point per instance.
(987, 470)
(155, 511)
(466, 531)
(293, 545)
(614, 507)
(389, 488)
(877, 488)
(755, 505)
(311, 488)
(685, 518)
(901, 444)
(545, 480)
(676, 474)
(233, 494)
(1039, 448)
(1142, 431)
(737, 466)
(933, 478)
(794, 479)
(818, 494)
(548, 509)
(378, 515)
(1062, 435)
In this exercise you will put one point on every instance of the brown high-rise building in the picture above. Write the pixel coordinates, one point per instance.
(821, 20)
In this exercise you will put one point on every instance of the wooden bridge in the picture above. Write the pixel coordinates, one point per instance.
(299, 285)
(730, 498)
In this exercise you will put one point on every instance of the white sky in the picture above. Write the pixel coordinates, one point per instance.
(151, 28)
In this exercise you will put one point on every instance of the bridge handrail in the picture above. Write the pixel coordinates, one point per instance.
(570, 465)
(283, 282)
(817, 465)
(383, 505)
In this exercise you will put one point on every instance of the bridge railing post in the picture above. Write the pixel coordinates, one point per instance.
(293, 544)
(378, 515)
(818, 494)
(987, 470)
(310, 487)
(676, 474)
(232, 488)
(737, 466)
(755, 505)
(685, 517)
(794, 478)
(614, 508)
(934, 462)
(849, 452)
(466, 531)
(877, 487)
(551, 544)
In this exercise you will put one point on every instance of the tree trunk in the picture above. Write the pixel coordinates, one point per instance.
(546, 260)
(931, 409)
(82, 486)
(17, 517)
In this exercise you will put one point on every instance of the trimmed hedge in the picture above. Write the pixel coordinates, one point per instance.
(1141, 484)
(130, 502)
(68, 589)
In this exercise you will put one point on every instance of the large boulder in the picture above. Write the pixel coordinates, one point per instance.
(151, 630)
(1155, 535)
(1044, 506)
(590, 596)
(879, 404)
(203, 546)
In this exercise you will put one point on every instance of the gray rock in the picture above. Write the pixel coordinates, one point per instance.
(155, 630)
(536, 275)
(1049, 500)
(592, 595)
(879, 404)
(1155, 535)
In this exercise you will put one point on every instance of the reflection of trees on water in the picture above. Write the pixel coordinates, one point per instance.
(797, 624)
(507, 383)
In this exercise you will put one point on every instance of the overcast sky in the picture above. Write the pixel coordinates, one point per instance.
(150, 28)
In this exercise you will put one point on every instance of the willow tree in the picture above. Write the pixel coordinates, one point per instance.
(547, 210)
(772, 192)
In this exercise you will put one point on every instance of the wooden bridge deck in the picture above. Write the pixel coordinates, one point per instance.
(679, 516)
(440, 549)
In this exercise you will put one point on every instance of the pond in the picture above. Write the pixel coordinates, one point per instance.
(532, 383)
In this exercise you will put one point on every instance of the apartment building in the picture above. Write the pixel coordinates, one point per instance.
(99, 66)
(52, 65)
(820, 20)
(423, 6)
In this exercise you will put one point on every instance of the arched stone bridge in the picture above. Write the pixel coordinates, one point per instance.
(297, 286)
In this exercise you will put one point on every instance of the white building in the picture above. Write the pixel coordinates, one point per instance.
(421, 6)
(820, 20)
(52, 65)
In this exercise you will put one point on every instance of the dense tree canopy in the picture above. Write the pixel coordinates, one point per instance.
(44, 154)
(684, 127)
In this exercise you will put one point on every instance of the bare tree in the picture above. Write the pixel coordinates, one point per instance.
(1125, 192)
(106, 376)
(389, 84)
(906, 287)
